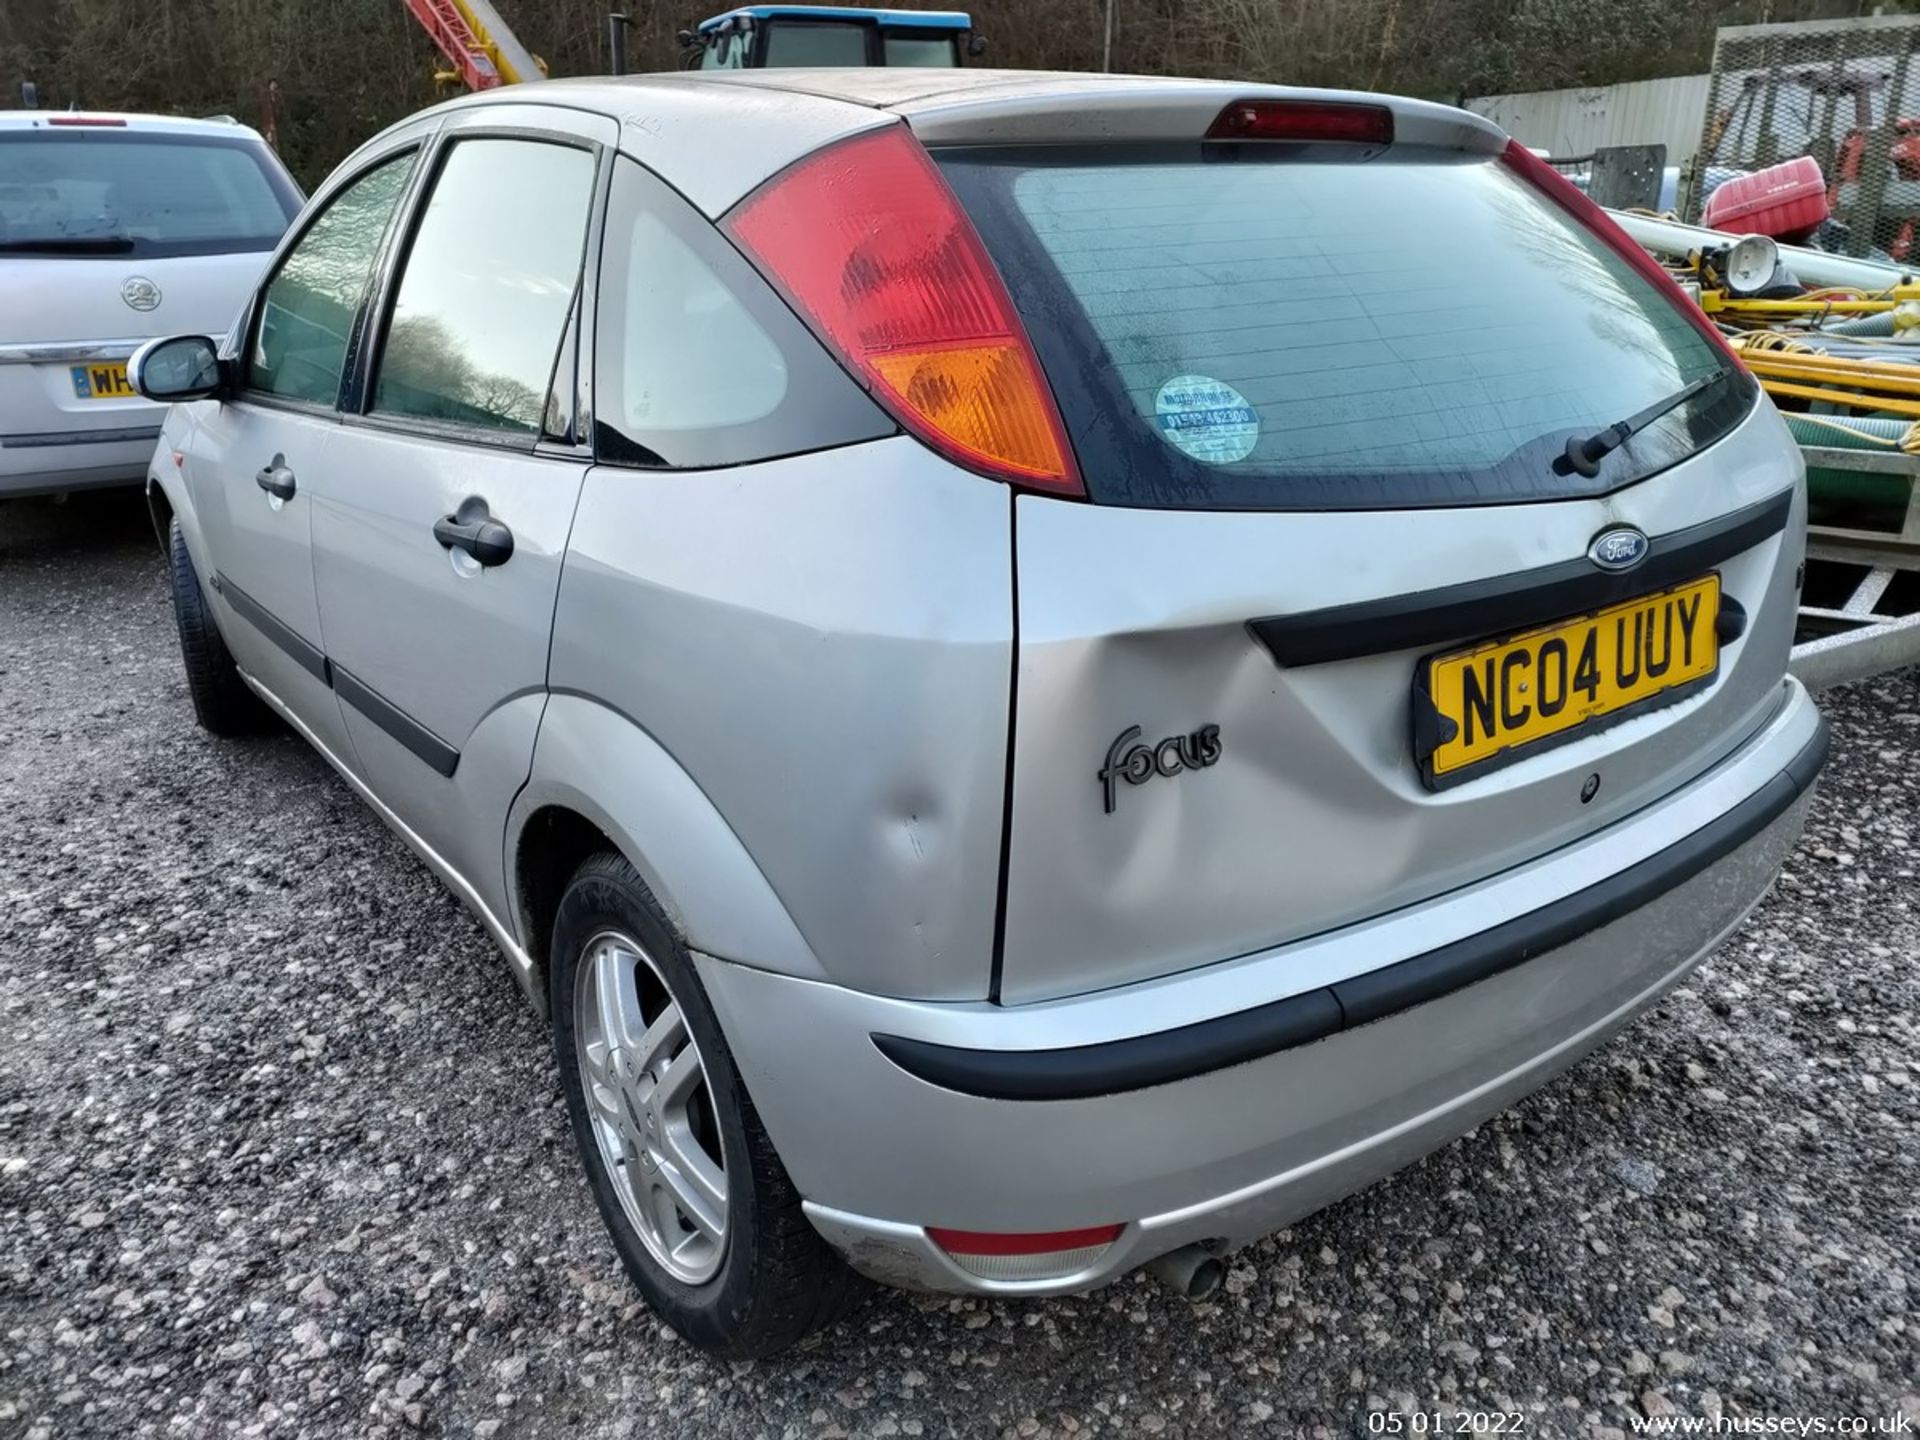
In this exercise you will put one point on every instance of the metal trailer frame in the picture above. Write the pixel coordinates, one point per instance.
(1866, 634)
(1776, 91)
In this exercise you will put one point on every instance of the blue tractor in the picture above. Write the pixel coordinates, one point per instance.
(755, 36)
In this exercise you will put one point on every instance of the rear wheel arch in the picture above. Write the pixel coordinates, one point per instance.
(552, 845)
(601, 782)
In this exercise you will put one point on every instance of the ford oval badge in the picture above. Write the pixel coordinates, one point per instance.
(1620, 548)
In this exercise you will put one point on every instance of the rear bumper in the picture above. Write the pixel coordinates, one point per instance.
(50, 442)
(38, 462)
(1229, 1147)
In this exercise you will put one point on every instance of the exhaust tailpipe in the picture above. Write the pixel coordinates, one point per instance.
(1193, 1271)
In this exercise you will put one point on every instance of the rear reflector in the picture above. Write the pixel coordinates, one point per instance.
(1044, 1256)
(1304, 121)
(1569, 197)
(101, 120)
(869, 244)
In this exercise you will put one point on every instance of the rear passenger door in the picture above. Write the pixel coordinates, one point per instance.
(441, 518)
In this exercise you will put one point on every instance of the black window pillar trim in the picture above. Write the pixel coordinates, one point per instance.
(1135, 1063)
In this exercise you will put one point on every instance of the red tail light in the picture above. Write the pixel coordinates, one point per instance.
(871, 246)
(1569, 197)
(85, 120)
(1304, 121)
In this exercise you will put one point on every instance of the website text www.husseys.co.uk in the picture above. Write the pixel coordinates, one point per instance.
(1790, 1425)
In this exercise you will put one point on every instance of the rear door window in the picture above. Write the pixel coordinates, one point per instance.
(1270, 333)
(486, 286)
(121, 194)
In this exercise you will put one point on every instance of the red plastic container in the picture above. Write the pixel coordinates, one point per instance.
(1785, 201)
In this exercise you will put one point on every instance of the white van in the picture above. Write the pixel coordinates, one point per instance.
(115, 229)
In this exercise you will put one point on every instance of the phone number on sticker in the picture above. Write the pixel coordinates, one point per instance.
(1446, 1422)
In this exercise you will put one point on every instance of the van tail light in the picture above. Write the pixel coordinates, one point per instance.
(866, 240)
(96, 121)
(1045, 1256)
(1304, 121)
(1569, 197)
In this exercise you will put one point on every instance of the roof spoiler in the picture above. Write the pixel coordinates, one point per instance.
(1095, 110)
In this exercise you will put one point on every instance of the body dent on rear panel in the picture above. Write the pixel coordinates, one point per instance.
(824, 644)
(1314, 815)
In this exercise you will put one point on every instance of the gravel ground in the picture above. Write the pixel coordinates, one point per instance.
(282, 1150)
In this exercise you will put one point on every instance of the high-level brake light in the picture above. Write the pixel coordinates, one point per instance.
(1304, 122)
(871, 246)
(106, 121)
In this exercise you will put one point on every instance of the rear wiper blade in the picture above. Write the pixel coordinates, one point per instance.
(68, 245)
(1584, 452)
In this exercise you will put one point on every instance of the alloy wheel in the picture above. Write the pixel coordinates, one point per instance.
(651, 1107)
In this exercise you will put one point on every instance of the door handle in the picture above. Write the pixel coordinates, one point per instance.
(473, 530)
(276, 479)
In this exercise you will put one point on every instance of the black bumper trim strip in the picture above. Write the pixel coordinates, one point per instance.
(396, 722)
(304, 653)
(1511, 603)
(49, 439)
(1087, 1071)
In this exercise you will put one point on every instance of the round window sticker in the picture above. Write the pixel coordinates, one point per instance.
(1207, 419)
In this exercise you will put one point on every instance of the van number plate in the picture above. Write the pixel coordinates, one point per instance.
(101, 382)
(1501, 699)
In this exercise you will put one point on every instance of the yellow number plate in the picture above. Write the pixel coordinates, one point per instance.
(101, 382)
(1494, 699)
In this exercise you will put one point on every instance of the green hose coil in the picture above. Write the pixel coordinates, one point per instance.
(1832, 493)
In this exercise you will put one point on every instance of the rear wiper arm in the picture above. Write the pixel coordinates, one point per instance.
(68, 245)
(1584, 452)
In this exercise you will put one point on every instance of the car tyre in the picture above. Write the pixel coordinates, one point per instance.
(664, 1136)
(221, 700)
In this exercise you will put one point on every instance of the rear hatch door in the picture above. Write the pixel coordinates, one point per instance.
(113, 233)
(1317, 650)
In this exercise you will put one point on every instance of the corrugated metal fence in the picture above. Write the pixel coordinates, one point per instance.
(1574, 122)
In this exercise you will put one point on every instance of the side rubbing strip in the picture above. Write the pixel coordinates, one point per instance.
(275, 629)
(1085, 1071)
(396, 722)
(1513, 602)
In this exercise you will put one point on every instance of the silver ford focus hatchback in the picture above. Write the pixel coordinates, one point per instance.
(1040, 673)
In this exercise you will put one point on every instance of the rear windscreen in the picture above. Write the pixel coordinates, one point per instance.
(1231, 327)
(119, 194)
